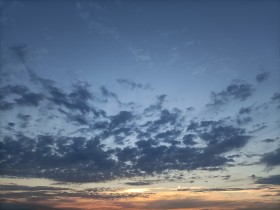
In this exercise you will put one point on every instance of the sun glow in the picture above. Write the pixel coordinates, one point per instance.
(136, 190)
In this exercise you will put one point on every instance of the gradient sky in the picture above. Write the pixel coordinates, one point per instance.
(139, 104)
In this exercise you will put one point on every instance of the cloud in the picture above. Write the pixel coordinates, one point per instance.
(5, 105)
(274, 179)
(13, 89)
(258, 127)
(245, 110)
(140, 54)
(108, 94)
(48, 198)
(219, 136)
(157, 106)
(276, 99)
(139, 183)
(268, 140)
(80, 159)
(238, 90)
(30, 99)
(15, 187)
(27, 98)
(166, 117)
(168, 136)
(189, 139)
(262, 77)
(27, 206)
(271, 159)
(25, 53)
(21, 51)
(121, 118)
(124, 144)
(132, 85)
(209, 204)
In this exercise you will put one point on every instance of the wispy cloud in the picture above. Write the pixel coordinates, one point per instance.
(126, 83)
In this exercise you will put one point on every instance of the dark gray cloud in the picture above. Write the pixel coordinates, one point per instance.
(210, 204)
(262, 77)
(139, 183)
(268, 140)
(238, 90)
(168, 136)
(27, 98)
(27, 206)
(243, 120)
(132, 85)
(275, 180)
(245, 110)
(271, 159)
(219, 136)
(217, 189)
(189, 139)
(15, 187)
(78, 159)
(13, 89)
(121, 118)
(166, 117)
(30, 99)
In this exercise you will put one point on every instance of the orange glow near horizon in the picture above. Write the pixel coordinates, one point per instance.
(172, 199)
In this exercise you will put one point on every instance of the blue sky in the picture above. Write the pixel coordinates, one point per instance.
(157, 93)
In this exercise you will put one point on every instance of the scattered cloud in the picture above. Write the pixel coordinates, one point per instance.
(276, 99)
(238, 90)
(262, 77)
(108, 94)
(140, 54)
(133, 85)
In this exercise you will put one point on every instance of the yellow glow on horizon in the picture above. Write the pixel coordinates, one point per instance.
(136, 190)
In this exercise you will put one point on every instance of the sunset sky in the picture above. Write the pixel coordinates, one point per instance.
(139, 104)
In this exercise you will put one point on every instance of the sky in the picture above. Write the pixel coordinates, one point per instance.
(139, 104)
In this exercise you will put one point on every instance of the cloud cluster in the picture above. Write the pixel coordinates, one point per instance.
(106, 146)
(238, 90)
(80, 159)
